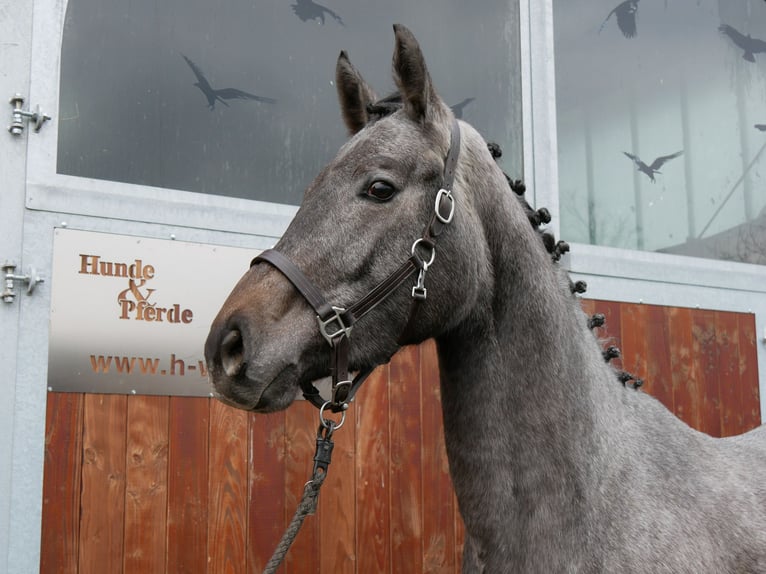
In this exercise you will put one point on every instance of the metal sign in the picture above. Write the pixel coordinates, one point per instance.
(131, 314)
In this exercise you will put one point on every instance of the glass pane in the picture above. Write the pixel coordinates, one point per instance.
(660, 111)
(130, 110)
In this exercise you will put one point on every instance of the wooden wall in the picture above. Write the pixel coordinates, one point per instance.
(145, 484)
(701, 364)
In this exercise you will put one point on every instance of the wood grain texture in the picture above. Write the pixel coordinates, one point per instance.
(634, 344)
(405, 462)
(438, 511)
(187, 516)
(61, 484)
(146, 480)
(706, 357)
(373, 487)
(301, 424)
(337, 505)
(266, 496)
(588, 306)
(687, 403)
(729, 384)
(659, 377)
(103, 484)
(227, 488)
(187, 485)
(748, 371)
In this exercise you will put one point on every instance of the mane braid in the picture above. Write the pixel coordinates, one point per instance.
(557, 249)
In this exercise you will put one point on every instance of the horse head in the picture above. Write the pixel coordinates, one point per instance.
(358, 222)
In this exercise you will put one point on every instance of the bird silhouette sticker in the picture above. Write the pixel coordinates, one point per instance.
(655, 166)
(749, 45)
(625, 13)
(309, 10)
(760, 127)
(223, 94)
(458, 108)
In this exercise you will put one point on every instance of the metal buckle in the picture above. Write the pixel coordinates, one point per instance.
(338, 388)
(448, 194)
(341, 330)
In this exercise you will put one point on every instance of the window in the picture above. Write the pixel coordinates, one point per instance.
(661, 116)
(130, 110)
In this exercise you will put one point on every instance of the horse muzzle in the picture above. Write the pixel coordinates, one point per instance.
(240, 380)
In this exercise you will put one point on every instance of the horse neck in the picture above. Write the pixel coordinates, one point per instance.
(527, 355)
(523, 382)
(526, 335)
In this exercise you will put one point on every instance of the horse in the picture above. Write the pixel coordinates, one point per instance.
(556, 466)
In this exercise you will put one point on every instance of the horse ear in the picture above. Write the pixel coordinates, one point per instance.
(354, 94)
(412, 78)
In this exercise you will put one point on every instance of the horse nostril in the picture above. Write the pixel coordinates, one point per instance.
(232, 353)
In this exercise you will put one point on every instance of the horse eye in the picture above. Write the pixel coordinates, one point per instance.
(381, 190)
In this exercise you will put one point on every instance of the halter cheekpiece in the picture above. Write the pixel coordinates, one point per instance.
(336, 323)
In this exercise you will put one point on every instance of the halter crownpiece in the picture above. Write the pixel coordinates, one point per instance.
(336, 323)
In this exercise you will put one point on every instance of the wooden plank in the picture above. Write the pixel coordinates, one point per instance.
(706, 357)
(146, 484)
(336, 514)
(373, 488)
(729, 386)
(634, 319)
(438, 499)
(103, 484)
(748, 371)
(405, 462)
(266, 497)
(686, 399)
(187, 485)
(588, 307)
(301, 424)
(61, 484)
(227, 488)
(658, 379)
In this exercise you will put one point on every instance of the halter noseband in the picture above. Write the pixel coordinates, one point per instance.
(336, 323)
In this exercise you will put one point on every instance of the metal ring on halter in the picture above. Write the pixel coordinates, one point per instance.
(324, 420)
(428, 244)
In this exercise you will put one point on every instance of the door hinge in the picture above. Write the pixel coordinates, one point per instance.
(31, 279)
(17, 119)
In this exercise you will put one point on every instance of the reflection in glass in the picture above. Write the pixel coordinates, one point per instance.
(236, 97)
(661, 112)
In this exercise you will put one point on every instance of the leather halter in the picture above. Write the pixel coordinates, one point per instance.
(336, 323)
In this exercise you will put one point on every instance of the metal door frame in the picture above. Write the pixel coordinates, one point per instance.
(15, 54)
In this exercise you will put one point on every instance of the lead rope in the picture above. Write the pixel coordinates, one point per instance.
(310, 498)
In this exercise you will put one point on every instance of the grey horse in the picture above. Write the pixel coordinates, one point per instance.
(556, 466)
